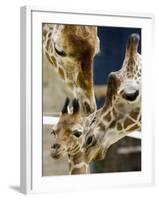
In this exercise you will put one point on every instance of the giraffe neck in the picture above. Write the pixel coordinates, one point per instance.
(78, 164)
(115, 125)
(132, 121)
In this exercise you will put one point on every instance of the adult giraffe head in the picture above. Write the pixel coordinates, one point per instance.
(71, 50)
(121, 113)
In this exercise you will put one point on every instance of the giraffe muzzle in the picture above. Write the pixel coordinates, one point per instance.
(55, 151)
(131, 96)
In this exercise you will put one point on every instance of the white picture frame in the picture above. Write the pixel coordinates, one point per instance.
(31, 101)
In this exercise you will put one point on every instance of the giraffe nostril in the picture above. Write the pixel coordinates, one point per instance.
(131, 96)
(55, 146)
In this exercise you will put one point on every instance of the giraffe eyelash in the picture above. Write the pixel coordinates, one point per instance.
(59, 52)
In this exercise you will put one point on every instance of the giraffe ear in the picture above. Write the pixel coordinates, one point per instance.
(76, 106)
(64, 109)
(132, 44)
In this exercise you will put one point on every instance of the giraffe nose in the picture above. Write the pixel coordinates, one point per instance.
(55, 146)
(131, 96)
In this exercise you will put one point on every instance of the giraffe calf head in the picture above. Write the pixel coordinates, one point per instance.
(67, 134)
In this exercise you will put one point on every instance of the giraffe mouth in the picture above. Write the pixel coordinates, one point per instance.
(100, 155)
(94, 154)
(55, 155)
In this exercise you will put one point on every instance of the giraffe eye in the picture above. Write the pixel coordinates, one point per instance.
(77, 133)
(90, 141)
(59, 52)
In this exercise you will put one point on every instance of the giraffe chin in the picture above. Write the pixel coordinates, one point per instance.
(100, 156)
(96, 154)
